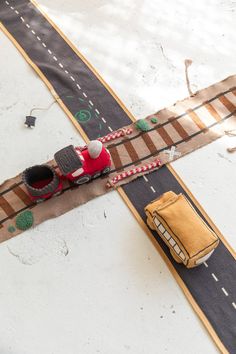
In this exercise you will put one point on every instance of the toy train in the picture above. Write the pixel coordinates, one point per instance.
(75, 164)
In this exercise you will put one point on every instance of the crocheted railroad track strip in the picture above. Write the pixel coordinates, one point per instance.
(173, 132)
(15, 199)
(12, 200)
(209, 105)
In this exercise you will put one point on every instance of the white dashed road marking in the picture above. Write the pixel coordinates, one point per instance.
(78, 86)
(60, 64)
(66, 72)
(234, 305)
(7, 2)
(110, 129)
(44, 45)
(145, 178)
(49, 51)
(55, 58)
(225, 292)
(153, 189)
(17, 12)
(33, 31)
(97, 111)
(91, 103)
(104, 120)
(22, 19)
(213, 275)
(72, 78)
(205, 264)
(85, 94)
(38, 38)
(27, 25)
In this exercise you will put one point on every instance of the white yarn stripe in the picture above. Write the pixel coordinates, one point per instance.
(213, 275)
(225, 292)
(153, 189)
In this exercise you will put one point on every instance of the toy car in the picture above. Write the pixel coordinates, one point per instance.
(188, 237)
(80, 165)
(42, 182)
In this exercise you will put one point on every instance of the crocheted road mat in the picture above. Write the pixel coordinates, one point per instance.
(96, 111)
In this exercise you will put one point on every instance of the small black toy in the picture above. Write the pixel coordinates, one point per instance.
(30, 121)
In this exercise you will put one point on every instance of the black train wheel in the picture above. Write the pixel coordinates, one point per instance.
(106, 170)
(83, 179)
(40, 200)
(96, 175)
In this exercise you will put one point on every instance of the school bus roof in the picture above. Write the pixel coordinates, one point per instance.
(183, 223)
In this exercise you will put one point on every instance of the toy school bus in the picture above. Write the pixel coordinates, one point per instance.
(188, 237)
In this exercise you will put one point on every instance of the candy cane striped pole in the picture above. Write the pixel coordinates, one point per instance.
(112, 136)
(133, 171)
(117, 134)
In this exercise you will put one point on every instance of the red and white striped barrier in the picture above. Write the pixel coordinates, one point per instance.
(133, 171)
(112, 136)
(117, 134)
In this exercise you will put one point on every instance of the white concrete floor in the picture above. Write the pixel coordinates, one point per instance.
(85, 283)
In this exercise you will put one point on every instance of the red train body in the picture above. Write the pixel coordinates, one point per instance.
(77, 164)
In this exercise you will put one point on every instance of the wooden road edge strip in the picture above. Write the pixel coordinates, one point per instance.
(175, 274)
(120, 190)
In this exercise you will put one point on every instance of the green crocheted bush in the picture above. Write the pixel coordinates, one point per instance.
(24, 220)
(154, 120)
(142, 125)
(11, 229)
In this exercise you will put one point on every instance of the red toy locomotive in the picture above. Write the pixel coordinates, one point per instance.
(77, 164)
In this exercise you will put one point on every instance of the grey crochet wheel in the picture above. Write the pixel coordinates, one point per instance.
(35, 176)
(83, 179)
